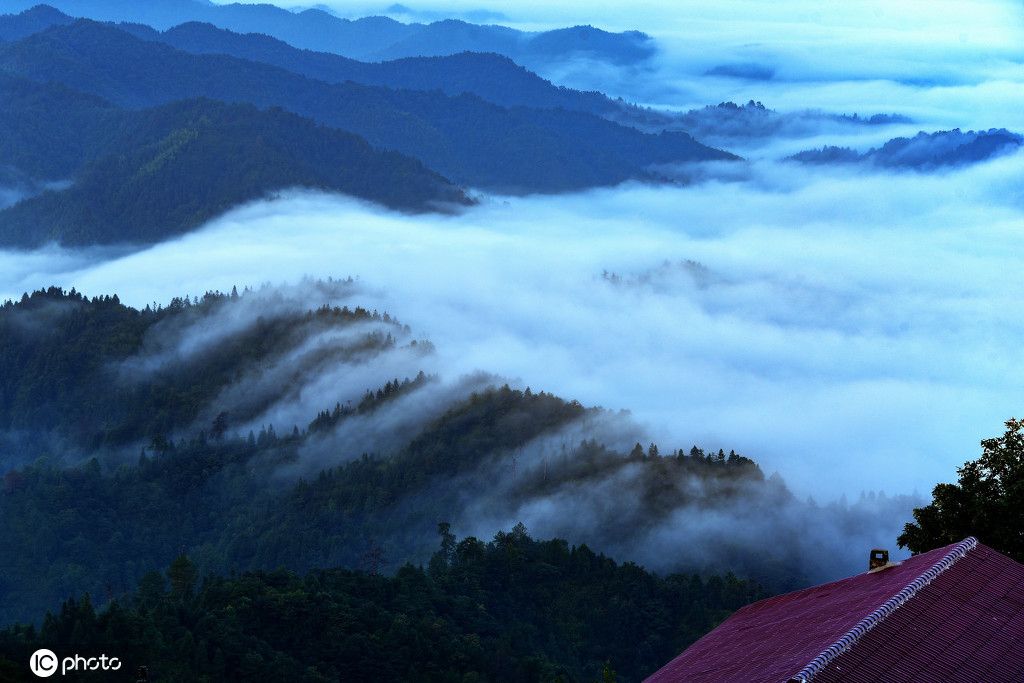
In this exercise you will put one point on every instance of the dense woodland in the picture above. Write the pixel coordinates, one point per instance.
(144, 176)
(125, 495)
(70, 364)
(108, 134)
(122, 472)
(511, 609)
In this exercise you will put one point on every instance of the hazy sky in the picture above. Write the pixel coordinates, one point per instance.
(850, 330)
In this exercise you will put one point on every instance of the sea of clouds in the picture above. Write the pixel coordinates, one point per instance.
(852, 329)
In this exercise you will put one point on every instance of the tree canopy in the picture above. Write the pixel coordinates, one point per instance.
(987, 502)
(512, 609)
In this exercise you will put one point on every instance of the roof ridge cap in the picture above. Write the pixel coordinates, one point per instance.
(848, 639)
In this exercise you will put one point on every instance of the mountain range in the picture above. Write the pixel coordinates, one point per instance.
(467, 139)
(119, 132)
(375, 38)
(478, 120)
(493, 76)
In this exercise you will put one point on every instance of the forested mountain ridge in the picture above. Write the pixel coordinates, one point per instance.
(512, 609)
(132, 144)
(924, 151)
(132, 434)
(468, 140)
(98, 373)
(530, 49)
(493, 77)
(34, 20)
(374, 38)
(48, 130)
(158, 172)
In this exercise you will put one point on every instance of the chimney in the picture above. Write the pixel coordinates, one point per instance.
(879, 558)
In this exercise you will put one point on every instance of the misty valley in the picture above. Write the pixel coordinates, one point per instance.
(421, 347)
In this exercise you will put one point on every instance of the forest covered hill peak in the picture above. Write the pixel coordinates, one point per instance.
(321, 429)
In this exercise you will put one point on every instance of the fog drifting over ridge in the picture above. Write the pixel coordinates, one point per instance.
(852, 331)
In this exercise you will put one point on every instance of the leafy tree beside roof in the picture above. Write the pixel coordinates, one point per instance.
(987, 502)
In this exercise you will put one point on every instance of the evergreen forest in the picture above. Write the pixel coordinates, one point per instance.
(130, 443)
(509, 609)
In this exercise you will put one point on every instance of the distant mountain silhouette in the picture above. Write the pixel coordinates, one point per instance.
(727, 122)
(452, 36)
(493, 77)
(924, 150)
(370, 38)
(749, 71)
(466, 139)
(34, 20)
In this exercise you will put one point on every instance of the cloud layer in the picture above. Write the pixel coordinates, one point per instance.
(853, 331)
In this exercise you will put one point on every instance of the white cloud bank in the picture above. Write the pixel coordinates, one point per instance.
(851, 331)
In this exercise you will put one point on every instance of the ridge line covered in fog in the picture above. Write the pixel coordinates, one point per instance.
(853, 331)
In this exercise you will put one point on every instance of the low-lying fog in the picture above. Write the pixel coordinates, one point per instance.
(852, 331)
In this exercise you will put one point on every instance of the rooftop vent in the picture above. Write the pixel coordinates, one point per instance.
(879, 558)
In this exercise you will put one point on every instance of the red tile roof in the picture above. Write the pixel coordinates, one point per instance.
(953, 614)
